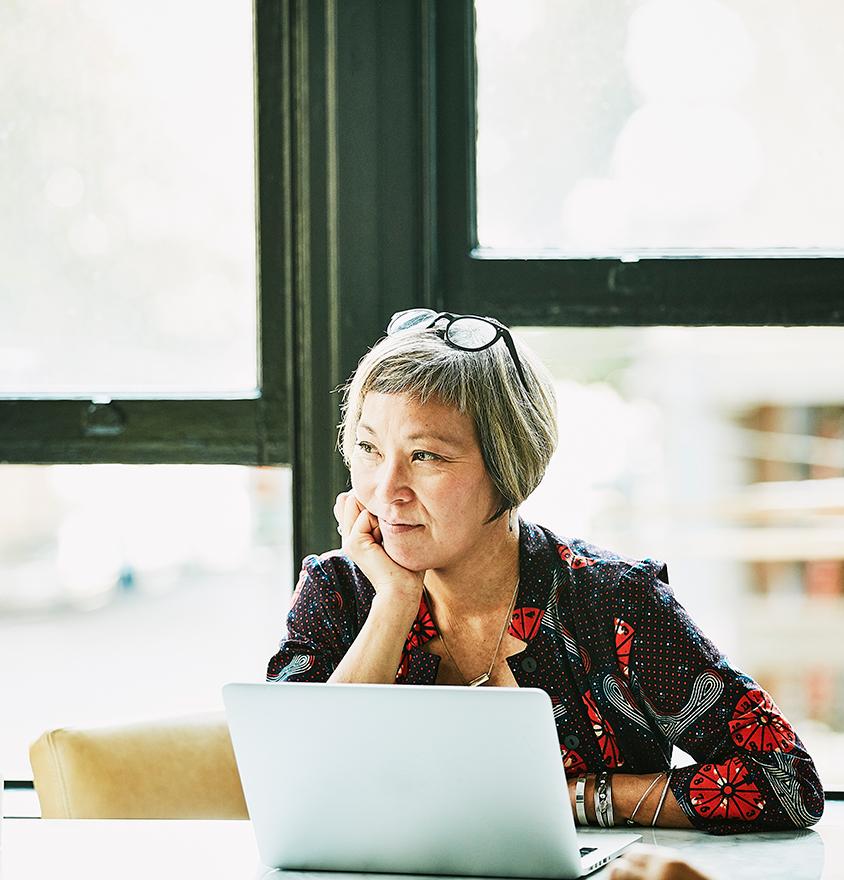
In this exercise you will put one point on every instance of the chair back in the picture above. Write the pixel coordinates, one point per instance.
(167, 769)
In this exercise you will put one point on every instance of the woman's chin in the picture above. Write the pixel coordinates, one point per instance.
(405, 556)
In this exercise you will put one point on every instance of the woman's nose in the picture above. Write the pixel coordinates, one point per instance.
(393, 482)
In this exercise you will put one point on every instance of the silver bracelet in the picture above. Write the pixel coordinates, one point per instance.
(603, 800)
(631, 820)
(662, 797)
(580, 801)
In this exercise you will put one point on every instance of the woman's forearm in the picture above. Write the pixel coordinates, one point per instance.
(375, 654)
(627, 789)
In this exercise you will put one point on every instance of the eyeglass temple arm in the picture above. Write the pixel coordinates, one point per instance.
(511, 347)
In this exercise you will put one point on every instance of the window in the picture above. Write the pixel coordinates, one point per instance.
(130, 331)
(719, 451)
(131, 250)
(579, 259)
(367, 203)
(614, 128)
(133, 592)
(133, 330)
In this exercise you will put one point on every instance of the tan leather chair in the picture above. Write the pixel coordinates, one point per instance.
(170, 769)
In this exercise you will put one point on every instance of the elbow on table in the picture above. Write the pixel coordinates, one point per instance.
(796, 786)
(812, 805)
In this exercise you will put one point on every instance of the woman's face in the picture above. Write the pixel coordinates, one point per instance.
(419, 469)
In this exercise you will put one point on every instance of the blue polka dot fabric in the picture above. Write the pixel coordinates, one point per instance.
(628, 672)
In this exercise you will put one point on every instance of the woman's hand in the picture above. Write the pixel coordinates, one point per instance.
(362, 543)
(653, 863)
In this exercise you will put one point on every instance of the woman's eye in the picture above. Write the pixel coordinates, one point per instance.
(421, 455)
(365, 447)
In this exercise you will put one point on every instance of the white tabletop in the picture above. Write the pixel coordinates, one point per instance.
(37, 849)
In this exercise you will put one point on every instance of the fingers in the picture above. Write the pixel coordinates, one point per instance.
(340, 505)
(622, 870)
(351, 511)
(650, 863)
(635, 864)
(337, 510)
(362, 525)
(353, 517)
(363, 544)
(625, 869)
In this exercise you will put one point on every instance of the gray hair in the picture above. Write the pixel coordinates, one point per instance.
(517, 430)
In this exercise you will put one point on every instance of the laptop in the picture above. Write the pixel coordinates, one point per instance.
(409, 780)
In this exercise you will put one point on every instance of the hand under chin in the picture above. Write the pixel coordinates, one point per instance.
(403, 555)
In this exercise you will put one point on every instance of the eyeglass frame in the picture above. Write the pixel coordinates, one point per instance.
(501, 332)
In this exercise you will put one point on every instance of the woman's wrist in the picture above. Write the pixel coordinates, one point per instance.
(626, 792)
(375, 654)
(391, 617)
(588, 797)
(397, 603)
(638, 796)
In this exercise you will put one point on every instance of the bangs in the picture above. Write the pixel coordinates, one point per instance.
(516, 429)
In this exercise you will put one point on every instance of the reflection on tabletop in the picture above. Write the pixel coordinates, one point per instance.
(798, 854)
(38, 849)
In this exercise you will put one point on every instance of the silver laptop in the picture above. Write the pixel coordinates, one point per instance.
(410, 780)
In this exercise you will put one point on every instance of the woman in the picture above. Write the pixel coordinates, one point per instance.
(446, 431)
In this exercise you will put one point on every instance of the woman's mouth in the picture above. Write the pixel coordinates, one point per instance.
(398, 528)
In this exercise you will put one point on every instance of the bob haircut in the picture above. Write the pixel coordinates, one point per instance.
(517, 430)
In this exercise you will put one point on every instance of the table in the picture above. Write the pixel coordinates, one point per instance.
(41, 849)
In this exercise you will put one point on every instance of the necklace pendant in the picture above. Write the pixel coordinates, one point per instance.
(481, 679)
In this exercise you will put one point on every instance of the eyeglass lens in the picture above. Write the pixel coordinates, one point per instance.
(409, 318)
(471, 333)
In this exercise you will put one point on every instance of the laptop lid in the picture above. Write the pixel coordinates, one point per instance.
(422, 779)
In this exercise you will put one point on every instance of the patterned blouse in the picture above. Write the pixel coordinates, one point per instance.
(628, 672)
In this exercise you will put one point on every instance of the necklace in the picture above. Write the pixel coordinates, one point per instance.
(483, 678)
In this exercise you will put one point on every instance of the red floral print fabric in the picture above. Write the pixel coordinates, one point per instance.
(573, 764)
(725, 791)
(423, 629)
(758, 725)
(572, 559)
(624, 633)
(603, 732)
(524, 623)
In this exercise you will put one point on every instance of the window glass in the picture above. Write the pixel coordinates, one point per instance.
(721, 452)
(676, 125)
(134, 592)
(127, 239)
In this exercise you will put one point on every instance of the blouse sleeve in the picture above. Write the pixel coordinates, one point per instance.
(320, 625)
(753, 772)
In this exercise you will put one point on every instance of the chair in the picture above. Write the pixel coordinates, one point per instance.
(168, 769)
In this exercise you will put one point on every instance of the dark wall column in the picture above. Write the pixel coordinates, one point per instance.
(363, 215)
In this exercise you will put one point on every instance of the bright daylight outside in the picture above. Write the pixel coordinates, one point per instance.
(130, 592)
(674, 125)
(688, 126)
(136, 591)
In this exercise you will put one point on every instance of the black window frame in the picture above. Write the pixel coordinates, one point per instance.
(365, 126)
(365, 121)
(396, 137)
(768, 288)
(251, 428)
